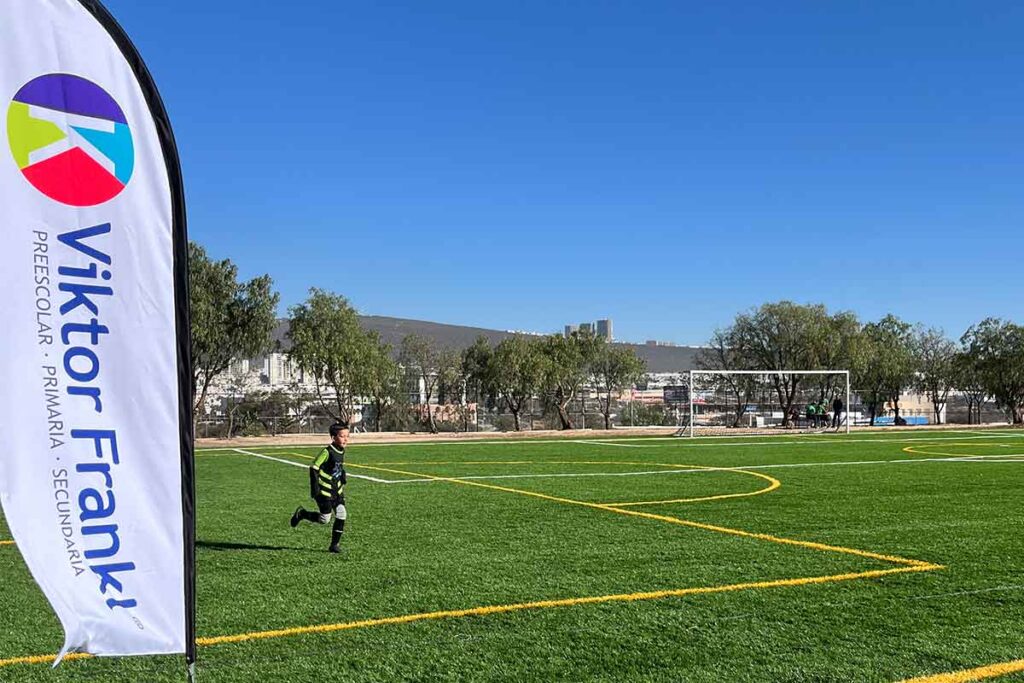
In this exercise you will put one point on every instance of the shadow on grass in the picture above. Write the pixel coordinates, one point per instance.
(223, 545)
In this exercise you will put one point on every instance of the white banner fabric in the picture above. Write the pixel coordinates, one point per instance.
(90, 468)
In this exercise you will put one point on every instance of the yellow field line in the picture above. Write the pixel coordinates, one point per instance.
(2, 543)
(546, 604)
(908, 566)
(773, 484)
(504, 609)
(978, 674)
(723, 496)
(470, 462)
(541, 462)
(43, 659)
(675, 520)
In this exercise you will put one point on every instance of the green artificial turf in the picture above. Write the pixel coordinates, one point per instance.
(425, 544)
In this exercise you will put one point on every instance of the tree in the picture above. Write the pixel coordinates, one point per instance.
(998, 349)
(614, 369)
(888, 366)
(651, 414)
(476, 371)
(722, 353)
(421, 357)
(567, 360)
(230, 319)
(935, 355)
(451, 384)
(385, 383)
(841, 349)
(476, 368)
(330, 346)
(786, 336)
(239, 383)
(450, 381)
(516, 369)
(967, 372)
(276, 410)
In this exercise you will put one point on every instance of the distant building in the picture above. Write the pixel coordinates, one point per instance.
(601, 329)
(275, 370)
(279, 369)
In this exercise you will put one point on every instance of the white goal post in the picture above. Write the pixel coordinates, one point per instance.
(698, 395)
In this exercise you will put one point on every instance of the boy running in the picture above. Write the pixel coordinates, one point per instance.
(327, 486)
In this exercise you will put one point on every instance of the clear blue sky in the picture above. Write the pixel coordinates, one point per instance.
(520, 165)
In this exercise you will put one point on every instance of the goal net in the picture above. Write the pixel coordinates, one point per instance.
(766, 402)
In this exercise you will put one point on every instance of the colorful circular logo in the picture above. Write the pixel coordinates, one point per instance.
(71, 140)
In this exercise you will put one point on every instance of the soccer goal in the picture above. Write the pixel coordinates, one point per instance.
(765, 402)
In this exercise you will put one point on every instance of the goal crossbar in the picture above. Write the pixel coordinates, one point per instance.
(769, 372)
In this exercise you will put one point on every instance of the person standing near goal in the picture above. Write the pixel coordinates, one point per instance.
(837, 411)
(327, 486)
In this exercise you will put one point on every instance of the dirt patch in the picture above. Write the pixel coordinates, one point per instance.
(404, 437)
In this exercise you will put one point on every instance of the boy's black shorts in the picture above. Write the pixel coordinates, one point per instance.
(327, 505)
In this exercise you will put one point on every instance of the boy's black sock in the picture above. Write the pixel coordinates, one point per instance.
(336, 531)
(310, 516)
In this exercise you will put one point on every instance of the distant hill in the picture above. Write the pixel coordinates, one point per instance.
(458, 337)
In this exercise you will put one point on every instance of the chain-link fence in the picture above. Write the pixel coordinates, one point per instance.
(222, 427)
(585, 413)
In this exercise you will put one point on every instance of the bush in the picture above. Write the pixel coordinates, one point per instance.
(504, 423)
(646, 415)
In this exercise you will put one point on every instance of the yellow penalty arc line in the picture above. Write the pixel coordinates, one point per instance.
(979, 674)
(675, 520)
(504, 609)
(773, 484)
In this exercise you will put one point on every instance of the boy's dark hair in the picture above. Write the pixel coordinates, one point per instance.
(337, 427)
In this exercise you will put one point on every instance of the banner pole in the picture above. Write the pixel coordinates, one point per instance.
(182, 313)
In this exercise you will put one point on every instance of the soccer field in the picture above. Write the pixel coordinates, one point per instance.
(868, 557)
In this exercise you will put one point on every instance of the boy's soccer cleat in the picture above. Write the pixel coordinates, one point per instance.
(296, 517)
(334, 549)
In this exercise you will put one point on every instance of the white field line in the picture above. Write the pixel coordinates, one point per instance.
(770, 441)
(973, 458)
(611, 443)
(709, 468)
(304, 466)
(982, 431)
(994, 589)
(562, 474)
(267, 457)
(699, 441)
(1006, 459)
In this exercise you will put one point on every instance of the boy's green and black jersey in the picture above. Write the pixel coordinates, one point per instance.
(327, 474)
